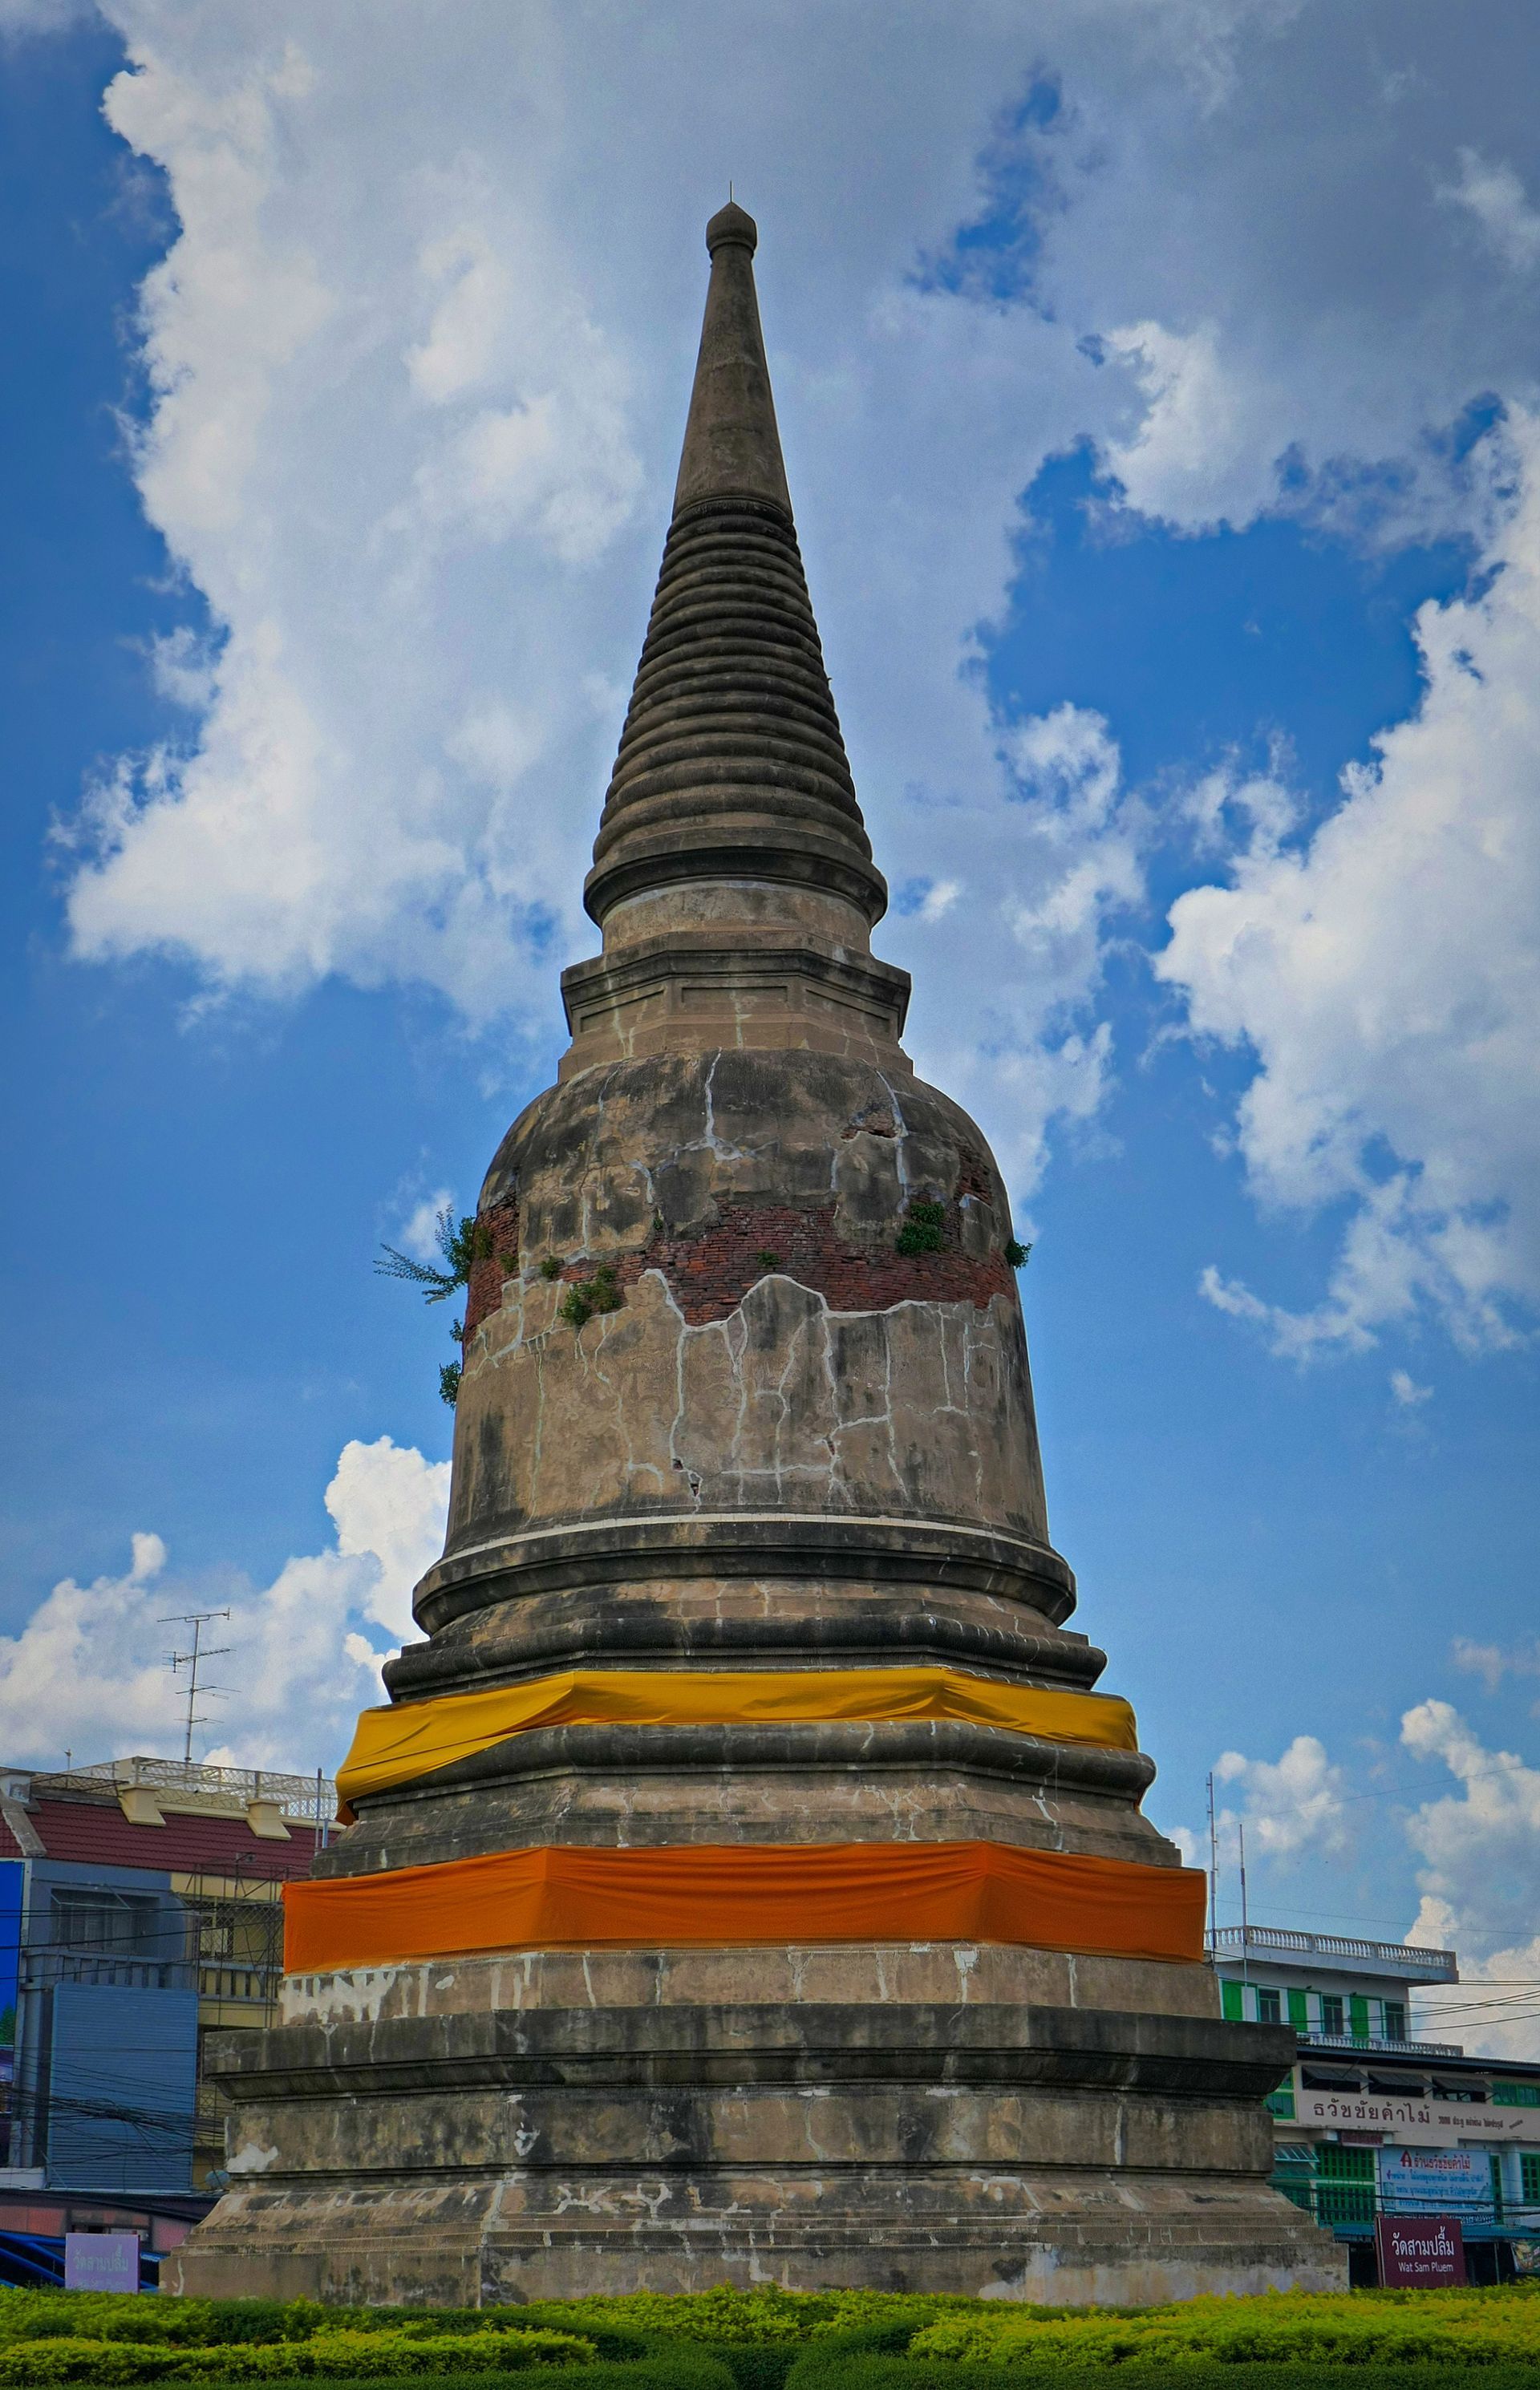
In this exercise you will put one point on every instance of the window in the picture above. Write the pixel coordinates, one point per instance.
(1529, 2176)
(113, 1925)
(1336, 2161)
(1358, 2017)
(1299, 2012)
(1269, 2008)
(1344, 2184)
(1281, 2102)
(1230, 2000)
(1331, 2012)
(1395, 2021)
(1516, 2095)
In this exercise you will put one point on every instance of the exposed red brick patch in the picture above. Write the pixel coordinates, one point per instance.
(974, 1176)
(711, 1273)
(499, 1228)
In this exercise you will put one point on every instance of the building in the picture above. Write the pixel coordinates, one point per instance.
(140, 1911)
(746, 1881)
(1371, 2120)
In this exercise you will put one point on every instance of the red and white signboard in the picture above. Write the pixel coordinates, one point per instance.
(1420, 2252)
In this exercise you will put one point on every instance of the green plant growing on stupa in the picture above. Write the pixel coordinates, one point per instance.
(600, 1293)
(767, 1260)
(921, 1230)
(463, 1243)
(1017, 1254)
(551, 1265)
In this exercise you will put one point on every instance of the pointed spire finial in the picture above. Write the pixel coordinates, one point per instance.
(732, 445)
(731, 765)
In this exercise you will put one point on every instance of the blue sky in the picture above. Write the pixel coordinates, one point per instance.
(1158, 398)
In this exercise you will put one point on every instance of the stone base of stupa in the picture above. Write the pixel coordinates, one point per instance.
(925, 2118)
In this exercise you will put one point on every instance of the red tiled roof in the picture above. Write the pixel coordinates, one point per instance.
(9, 1847)
(97, 1833)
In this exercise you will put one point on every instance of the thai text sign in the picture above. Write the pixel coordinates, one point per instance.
(101, 2261)
(1429, 2122)
(1448, 2178)
(1420, 2252)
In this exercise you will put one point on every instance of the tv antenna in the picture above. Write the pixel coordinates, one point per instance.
(192, 1661)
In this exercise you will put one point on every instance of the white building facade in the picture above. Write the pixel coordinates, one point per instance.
(1371, 2121)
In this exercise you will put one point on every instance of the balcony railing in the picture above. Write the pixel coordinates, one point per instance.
(294, 1795)
(43, 1968)
(224, 1983)
(1377, 2045)
(1235, 1940)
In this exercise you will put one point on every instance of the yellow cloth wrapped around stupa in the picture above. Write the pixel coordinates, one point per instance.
(411, 1739)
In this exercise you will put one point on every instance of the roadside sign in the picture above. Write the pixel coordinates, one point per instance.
(1420, 2252)
(101, 2261)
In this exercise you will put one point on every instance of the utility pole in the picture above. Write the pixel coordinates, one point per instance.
(1214, 1880)
(1245, 1921)
(192, 1661)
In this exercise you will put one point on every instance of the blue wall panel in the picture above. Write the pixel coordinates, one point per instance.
(122, 2088)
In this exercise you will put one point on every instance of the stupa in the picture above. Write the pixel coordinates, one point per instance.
(745, 1881)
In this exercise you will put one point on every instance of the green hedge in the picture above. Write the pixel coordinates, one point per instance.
(1354, 2328)
(679, 2370)
(620, 2328)
(381, 2356)
(770, 2340)
(888, 2373)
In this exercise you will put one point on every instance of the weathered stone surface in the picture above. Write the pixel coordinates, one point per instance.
(730, 1398)
(1007, 2150)
(945, 1974)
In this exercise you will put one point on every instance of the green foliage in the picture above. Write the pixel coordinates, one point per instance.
(835, 2359)
(395, 2353)
(1017, 1254)
(463, 1243)
(764, 2317)
(551, 1265)
(756, 2364)
(857, 2373)
(767, 2339)
(921, 1230)
(600, 1293)
(1316, 2328)
(767, 1260)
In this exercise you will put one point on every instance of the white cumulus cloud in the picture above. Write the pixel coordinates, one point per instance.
(1385, 974)
(1201, 453)
(1479, 1881)
(417, 359)
(1494, 194)
(1048, 866)
(86, 1671)
(1288, 1806)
